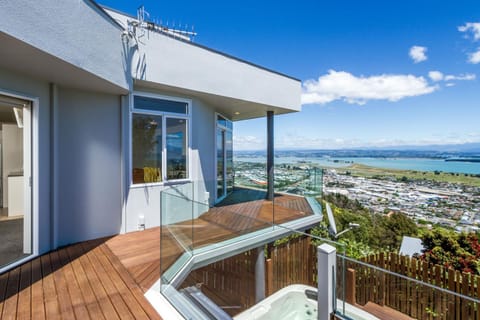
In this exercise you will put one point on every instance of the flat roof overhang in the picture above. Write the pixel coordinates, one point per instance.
(232, 108)
(18, 56)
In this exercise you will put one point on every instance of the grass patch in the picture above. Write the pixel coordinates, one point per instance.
(360, 170)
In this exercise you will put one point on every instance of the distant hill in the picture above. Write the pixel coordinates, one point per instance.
(465, 147)
(425, 151)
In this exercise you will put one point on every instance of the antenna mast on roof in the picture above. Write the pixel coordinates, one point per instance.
(143, 23)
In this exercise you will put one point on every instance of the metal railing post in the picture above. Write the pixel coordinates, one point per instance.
(327, 266)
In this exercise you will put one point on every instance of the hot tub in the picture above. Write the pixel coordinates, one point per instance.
(295, 302)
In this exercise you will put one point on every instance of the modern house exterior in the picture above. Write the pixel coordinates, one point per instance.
(114, 111)
(111, 124)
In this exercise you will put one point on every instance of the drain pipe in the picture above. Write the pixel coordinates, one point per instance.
(327, 266)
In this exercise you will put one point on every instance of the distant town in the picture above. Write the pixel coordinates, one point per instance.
(429, 201)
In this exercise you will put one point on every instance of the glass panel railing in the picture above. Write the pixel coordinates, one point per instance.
(244, 219)
(281, 272)
(190, 226)
(300, 179)
(176, 230)
(229, 283)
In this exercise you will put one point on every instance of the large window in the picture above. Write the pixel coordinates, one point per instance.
(160, 140)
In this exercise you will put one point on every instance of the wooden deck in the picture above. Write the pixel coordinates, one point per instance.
(82, 281)
(107, 278)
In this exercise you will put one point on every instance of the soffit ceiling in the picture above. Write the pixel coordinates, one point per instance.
(17, 56)
(231, 108)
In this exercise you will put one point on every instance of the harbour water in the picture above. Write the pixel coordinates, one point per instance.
(418, 164)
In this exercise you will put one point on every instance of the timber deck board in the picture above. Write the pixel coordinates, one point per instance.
(81, 281)
(384, 312)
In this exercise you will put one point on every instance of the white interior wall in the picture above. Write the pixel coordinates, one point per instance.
(12, 155)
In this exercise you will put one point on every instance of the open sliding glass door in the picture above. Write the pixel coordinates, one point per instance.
(224, 158)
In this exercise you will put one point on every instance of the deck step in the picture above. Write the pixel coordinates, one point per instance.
(384, 312)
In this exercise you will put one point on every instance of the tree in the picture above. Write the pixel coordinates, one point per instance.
(376, 232)
(393, 228)
(458, 251)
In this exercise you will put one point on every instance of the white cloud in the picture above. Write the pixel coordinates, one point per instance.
(418, 53)
(435, 75)
(341, 85)
(474, 57)
(473, 27)
(467, 77)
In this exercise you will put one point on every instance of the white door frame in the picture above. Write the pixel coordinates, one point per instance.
(27, 177)
(30, 173)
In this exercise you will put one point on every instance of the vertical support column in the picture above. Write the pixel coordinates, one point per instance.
(350, 296)
(327, 267)
(260, 275)
(54, 193)
(270, 155)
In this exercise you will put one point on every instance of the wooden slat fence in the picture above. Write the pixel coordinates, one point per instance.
(293, 262)
(414, 299)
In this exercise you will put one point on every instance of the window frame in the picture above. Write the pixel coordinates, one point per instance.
(164, 115)
(226, 128)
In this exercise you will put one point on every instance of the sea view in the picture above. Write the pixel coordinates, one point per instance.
(418, 164)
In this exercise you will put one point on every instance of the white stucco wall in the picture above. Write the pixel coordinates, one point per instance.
(78, 180)
(88, 165)
(76, 32)
(186, 66)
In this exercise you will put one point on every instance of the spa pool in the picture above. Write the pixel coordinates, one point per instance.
(293, 303)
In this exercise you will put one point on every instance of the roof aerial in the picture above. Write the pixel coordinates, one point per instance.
(138, 27)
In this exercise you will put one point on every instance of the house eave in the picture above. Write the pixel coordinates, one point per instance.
(233, 108)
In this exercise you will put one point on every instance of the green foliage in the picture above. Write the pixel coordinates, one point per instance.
(376, 232)
(356, 249)
(452, 250)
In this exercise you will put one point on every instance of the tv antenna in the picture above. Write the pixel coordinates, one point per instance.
(144, 24)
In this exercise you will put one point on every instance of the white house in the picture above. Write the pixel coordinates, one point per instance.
(101, 111)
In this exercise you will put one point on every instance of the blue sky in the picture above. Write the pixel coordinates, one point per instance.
(374, 73)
